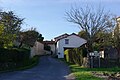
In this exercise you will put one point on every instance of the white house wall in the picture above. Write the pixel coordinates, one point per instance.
(74, 42)
(60, 49)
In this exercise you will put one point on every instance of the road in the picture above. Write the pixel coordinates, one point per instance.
(47, 69)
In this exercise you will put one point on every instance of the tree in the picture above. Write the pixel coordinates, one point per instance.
(1, 35)
(103, 40)
(11, 22)
(82, 34)
(11, 25)
(40, 38)
(116, 36)
(91, 22)
(29, 37)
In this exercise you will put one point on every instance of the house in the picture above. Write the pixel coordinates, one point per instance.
(37, 49)
(67, 41)
(51, 44)
(117, 27)
(58, 46)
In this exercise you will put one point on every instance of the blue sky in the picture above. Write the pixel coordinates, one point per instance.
(48, 16)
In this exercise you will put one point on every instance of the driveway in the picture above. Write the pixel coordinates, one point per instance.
(47, 69)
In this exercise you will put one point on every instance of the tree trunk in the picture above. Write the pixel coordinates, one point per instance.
(20, 45)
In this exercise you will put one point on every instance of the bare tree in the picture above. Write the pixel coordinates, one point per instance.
(91, 21)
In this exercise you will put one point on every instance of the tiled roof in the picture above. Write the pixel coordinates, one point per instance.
(64, 36)
(61, 36)
(49, 42)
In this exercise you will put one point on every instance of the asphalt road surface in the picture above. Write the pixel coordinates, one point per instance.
(47, 69)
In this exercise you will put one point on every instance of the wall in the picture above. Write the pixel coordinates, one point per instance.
(37, 49)
(74, 42)
(52, 48)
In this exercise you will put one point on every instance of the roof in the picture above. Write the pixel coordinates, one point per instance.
(49, 42)
(118, 17)
(61, 36)
(64, 36)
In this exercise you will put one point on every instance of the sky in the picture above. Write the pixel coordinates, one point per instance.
(48, 16)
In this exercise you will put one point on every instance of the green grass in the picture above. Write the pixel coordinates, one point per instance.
(82, 73)
(85, 76)
(85, 73)
(76, 68)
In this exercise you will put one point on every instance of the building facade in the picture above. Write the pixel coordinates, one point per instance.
(67, 41)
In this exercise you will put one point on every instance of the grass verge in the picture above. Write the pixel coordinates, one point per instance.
(82, 73)
(86, 73)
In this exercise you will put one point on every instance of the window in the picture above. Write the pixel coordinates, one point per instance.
(66, 41)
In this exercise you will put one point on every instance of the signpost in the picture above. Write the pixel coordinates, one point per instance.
(93, 55)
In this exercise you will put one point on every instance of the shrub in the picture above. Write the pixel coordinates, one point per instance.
(30, 63)
(76, 55)
(68, 55)
(13, 58)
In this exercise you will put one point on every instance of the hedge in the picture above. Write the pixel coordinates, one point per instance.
(13, 58)
(68, 55)
(76, 55)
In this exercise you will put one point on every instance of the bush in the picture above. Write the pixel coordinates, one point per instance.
(14, 55)
(76, 55)
(13, 58)
(68, 55)
(30, 63)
